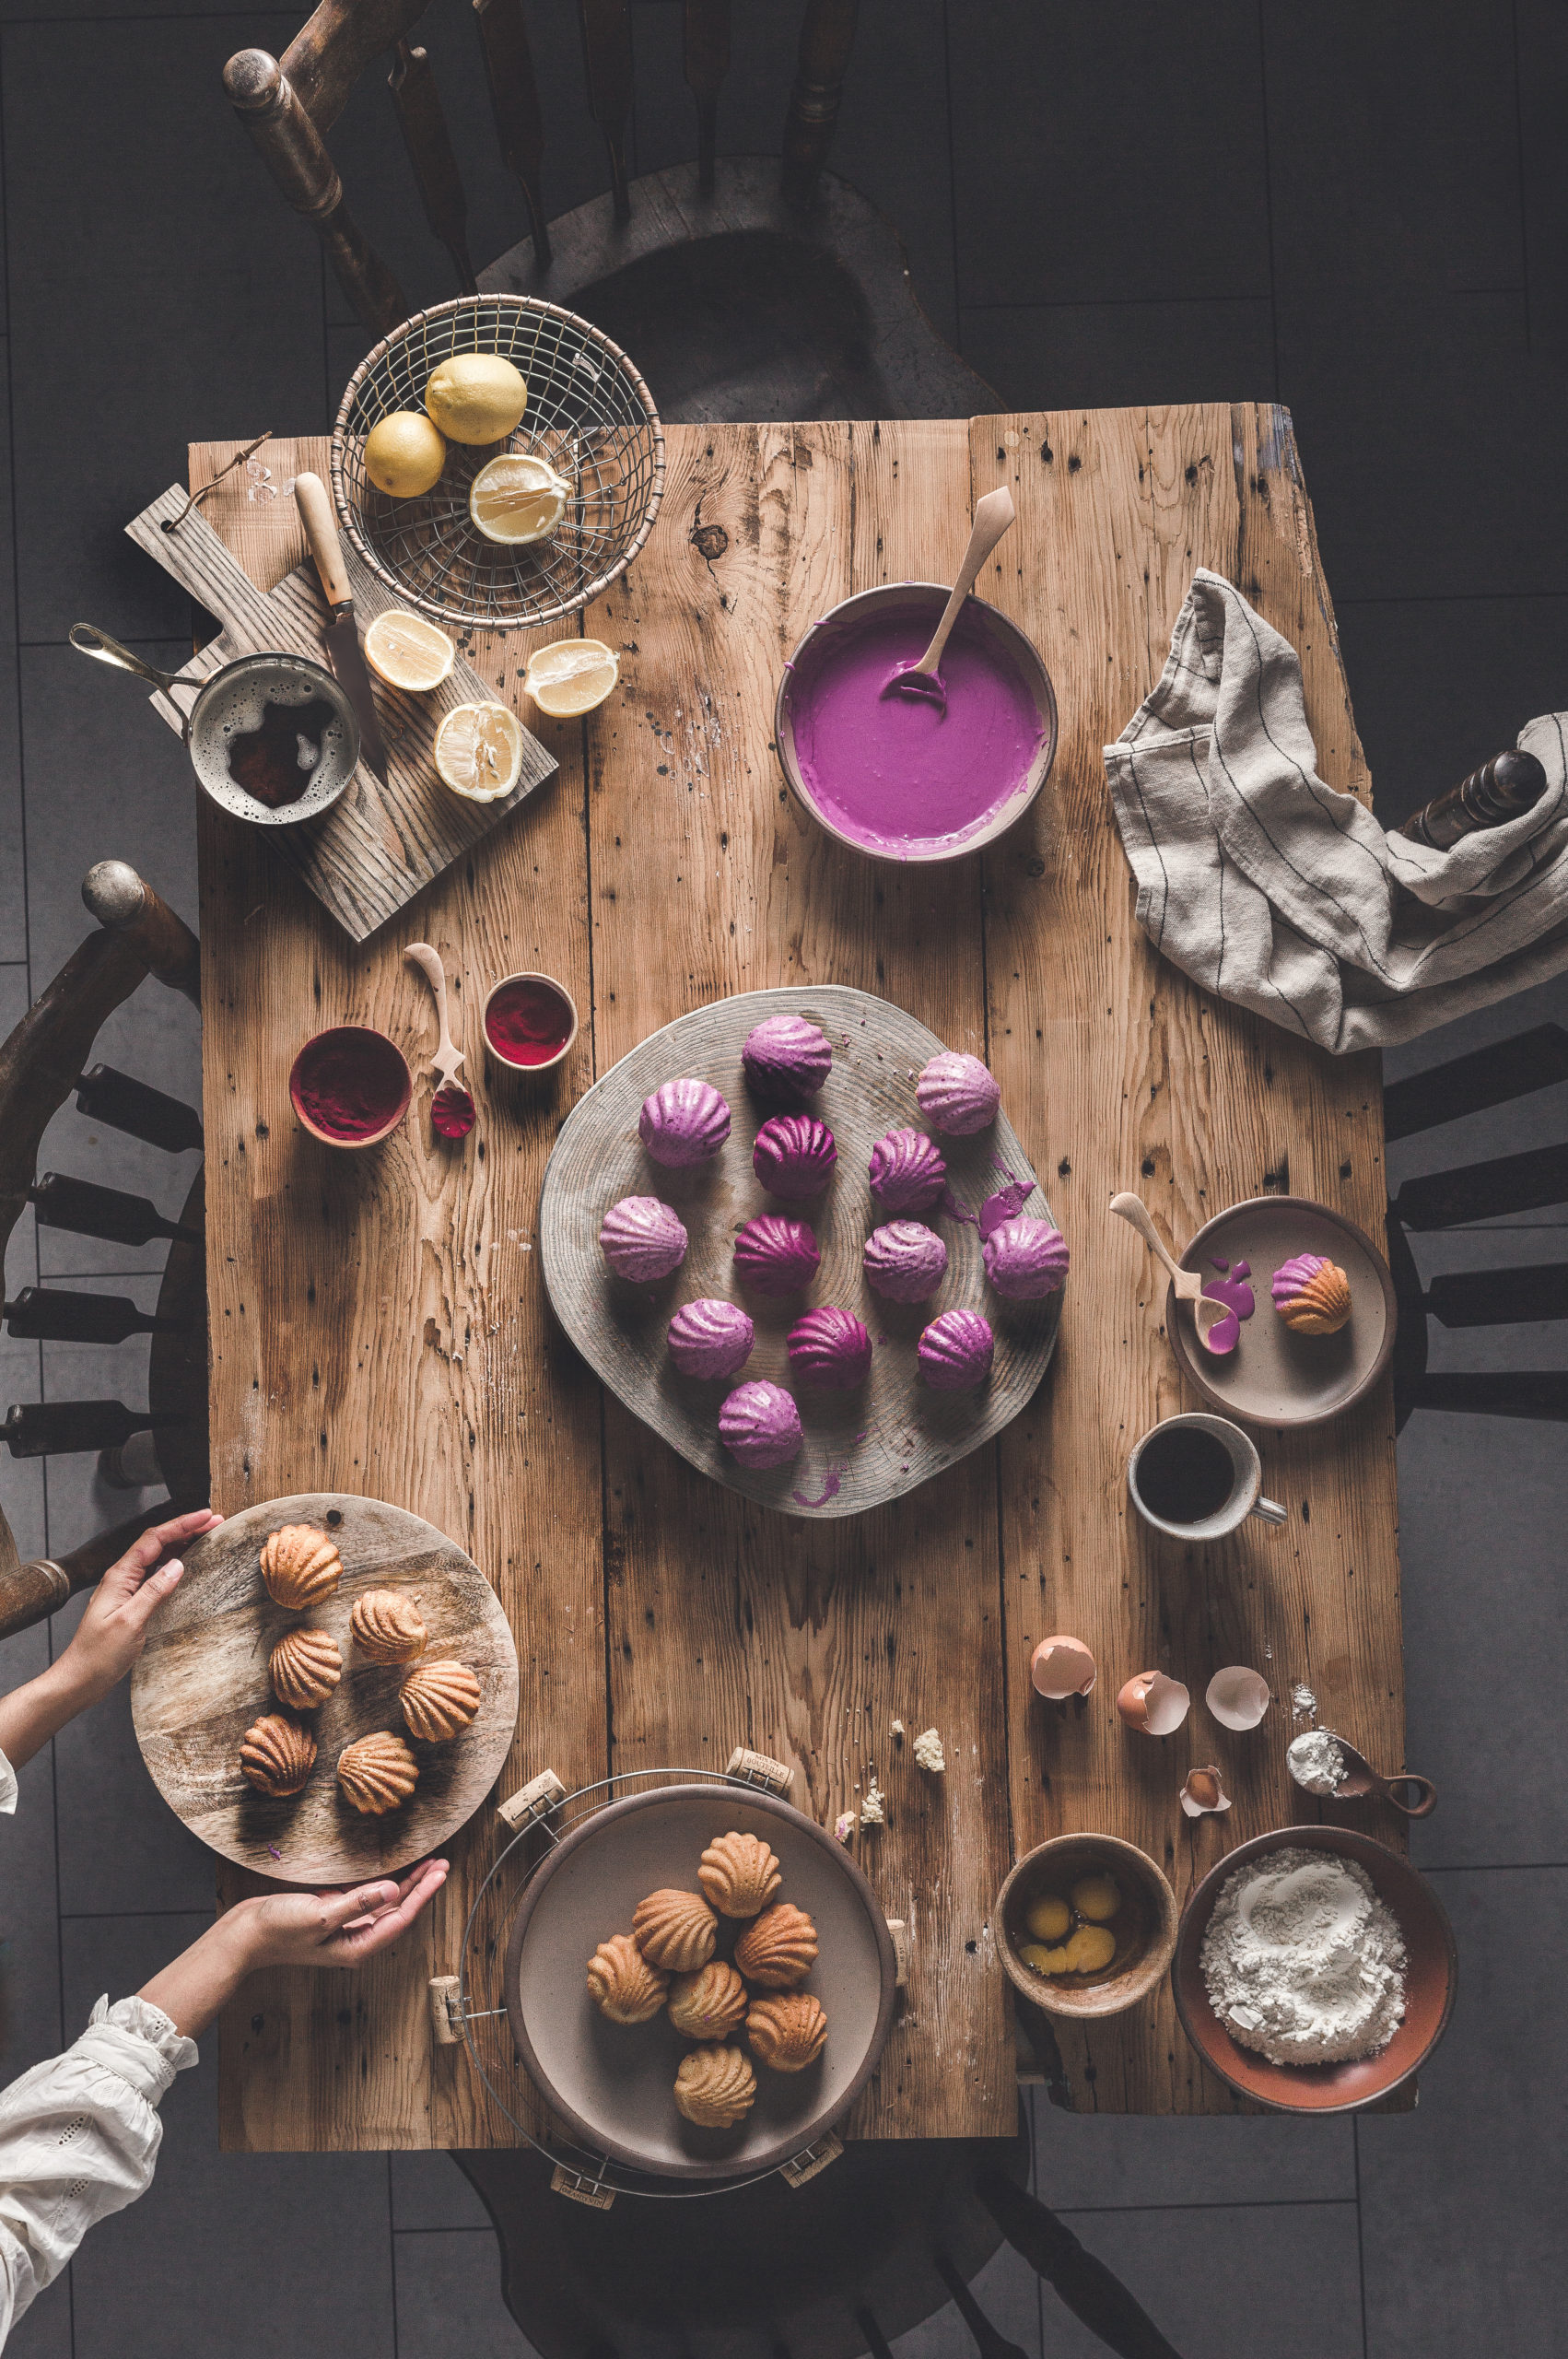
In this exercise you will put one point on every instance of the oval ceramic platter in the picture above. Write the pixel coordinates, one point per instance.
(862, 1448)
(203, 1680)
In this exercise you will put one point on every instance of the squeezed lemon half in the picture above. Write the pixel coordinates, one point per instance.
(479, 751)
(407, 652)
(517, 499)
(571, 677)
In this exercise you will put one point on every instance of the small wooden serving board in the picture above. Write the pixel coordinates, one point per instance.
(378, 845)
(860, 1447)
(203, 1679)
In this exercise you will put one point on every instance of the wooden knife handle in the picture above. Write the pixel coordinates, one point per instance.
(320, 531)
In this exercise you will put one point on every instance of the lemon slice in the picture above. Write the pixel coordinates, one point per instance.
(517, 499)
(571, 676)
(407, 652)
(479, 751)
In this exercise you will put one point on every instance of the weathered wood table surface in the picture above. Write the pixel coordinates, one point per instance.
(379, 1323)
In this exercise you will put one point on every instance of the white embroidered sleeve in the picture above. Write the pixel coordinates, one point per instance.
(8, 1787)
(79, 2135)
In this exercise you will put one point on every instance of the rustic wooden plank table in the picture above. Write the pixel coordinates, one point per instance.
(379, 1324)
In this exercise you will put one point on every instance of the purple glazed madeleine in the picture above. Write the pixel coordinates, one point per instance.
(642, 1238)
(710, 1338)
(787, 1056)
(683, 1123)
(1026, 1259)
(957, 1094)
(956, 1351)
(908, 1172)
(760, 1425)
(776, 1255)
(831, 1349)
(795, 1156)
(906, 1260)
(1312, 1294)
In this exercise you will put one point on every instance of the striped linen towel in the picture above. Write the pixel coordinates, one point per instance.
(1266, 887)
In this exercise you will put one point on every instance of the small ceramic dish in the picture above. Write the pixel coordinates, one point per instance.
(1275, 1376)
(926, 601)
(548, 986)
(1432, 1971)
(1143, 1946)
(383, 1070)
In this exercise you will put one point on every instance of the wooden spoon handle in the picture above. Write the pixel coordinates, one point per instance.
(320, 531)
(1426, 1794)
(1135, 1212)
(994, 514)
(428, 962)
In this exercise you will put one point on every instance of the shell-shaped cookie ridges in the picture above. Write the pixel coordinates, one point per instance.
(739, 1874)
(709, 2004)
(715, 2087)
(779, 1948)
(787, 2033)
(675, 1929)
(439, 1701)
(1312, 1294)
(622, 1984)
(277, 1755)
(306, 1665)
(386, 1626)
(377, 1773)
(300, 1566)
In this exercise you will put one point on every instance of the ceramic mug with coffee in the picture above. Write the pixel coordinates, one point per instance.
(1197, 1477)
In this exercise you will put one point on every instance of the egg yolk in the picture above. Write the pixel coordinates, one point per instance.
(1096, 1897)
(1043, 1960)
(1092, 1947)
(1049, 1918)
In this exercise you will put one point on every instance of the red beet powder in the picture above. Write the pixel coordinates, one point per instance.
(528, 1023)
(350, 1081)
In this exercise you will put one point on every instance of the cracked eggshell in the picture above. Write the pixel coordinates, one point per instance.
(1062, 1667)
(1153, 1703)
(1204, 1791)
(1238, 1697)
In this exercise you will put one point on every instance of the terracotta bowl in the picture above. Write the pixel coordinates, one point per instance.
(1432, 1969)
(614, 2084)
(1142, 1957)
(547, 1064)
(393, 1065)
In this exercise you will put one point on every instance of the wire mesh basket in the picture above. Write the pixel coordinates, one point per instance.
(590, 415)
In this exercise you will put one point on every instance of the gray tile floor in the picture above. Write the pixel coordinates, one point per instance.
(1240, 199)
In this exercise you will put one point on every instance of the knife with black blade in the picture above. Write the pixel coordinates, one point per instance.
(341, 637)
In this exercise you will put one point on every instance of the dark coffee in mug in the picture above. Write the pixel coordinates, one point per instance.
(1184, 1474)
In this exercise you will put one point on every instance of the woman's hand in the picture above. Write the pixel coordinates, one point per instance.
(113, 1630)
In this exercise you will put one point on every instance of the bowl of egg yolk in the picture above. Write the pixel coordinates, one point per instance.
(1085, 1925)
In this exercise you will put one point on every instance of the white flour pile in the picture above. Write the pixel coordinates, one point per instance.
(1316, 1761)
(1302, 1962)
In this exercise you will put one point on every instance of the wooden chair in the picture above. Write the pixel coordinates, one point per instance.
(46, 1057)
(836, 2267)
(1476, 1191)
(742, 288)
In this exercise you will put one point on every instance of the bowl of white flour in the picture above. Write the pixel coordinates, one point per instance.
(1315, 1969)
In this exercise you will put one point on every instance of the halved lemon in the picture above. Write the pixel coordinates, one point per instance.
(479, 751)
(517, 499)
(407, 652)
(571, 677)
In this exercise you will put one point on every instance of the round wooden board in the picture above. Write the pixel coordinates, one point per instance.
(861, 1449)
(203, 1680)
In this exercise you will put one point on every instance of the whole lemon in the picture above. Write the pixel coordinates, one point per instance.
(404, 454)
(476, 397)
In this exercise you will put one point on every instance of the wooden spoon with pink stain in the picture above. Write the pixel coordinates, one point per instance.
(453, 1111)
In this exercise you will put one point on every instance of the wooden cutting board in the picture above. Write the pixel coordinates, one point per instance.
(379, 846)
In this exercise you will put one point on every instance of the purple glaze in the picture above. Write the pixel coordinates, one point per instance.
(1026, 1259)
(1291, 1276)
(642, 1238)
(795, 1156)
(956, 1351)
(957, 1211)
(1005, 1205)
(710, 1338)
(905, 1260)
(683, 1123)
(775, 1255)
(958, 1094)
(908, 1172)
(1237, 1295)
(897, 773)
(831, 1349)
(787, 1056)
(831, 1485)
(760, 1425)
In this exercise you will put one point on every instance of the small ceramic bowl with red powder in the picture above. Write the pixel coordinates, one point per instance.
(530, 1024)
(350, 1086)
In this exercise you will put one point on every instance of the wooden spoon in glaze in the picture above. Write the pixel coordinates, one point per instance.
(1189, 1284)
(994, 514)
